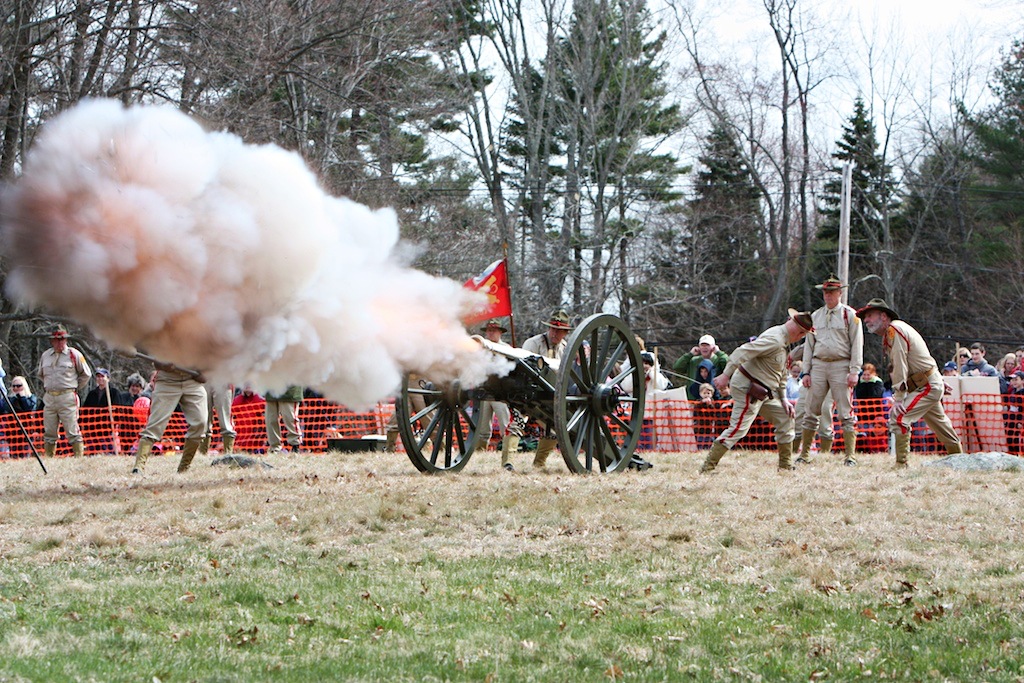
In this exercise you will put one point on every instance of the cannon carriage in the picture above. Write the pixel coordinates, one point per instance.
(597, 425)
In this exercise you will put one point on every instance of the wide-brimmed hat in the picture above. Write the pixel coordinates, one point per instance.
(831, 283)
(559, 320)
(493, 323)
(59, 332)
(878, 305)
(802, 318)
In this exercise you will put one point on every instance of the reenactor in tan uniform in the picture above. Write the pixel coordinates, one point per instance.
(832, 358)
(220, 404)
(917, 386)
(175, 386)
(283, 407)
(824, 421)
(756, 377)
(65, 375)
(511, 421)
(551, 344)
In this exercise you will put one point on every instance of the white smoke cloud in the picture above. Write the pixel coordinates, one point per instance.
(227, 257)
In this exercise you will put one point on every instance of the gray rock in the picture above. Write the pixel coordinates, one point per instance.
(242, 461)
(992, 460)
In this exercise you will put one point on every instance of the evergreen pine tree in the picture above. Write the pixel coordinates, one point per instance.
(999, 141)
(872, 200)
(707, 273)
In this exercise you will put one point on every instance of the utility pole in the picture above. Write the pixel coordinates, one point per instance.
(843, 266)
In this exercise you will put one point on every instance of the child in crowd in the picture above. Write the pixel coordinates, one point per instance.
(706, 417)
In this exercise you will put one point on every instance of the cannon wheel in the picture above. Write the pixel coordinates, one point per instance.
(439, 433)
(588, 399)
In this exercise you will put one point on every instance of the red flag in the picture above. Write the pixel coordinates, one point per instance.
(494, 283)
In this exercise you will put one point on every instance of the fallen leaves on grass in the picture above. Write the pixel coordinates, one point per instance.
(243, 637)
(596, 606)
(926, 613)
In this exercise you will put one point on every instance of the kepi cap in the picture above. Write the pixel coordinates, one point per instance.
(559, 320)
(802, 318)
(706, 339)
(878, 305)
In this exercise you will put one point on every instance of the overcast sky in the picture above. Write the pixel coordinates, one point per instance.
(878, 48)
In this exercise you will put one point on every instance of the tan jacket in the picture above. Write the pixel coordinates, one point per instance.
(907, 353)
(540, 345)
(764, 358)
(63, 371)
(838, 336)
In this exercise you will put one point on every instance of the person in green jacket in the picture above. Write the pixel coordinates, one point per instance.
(688, 364)
(284, 407)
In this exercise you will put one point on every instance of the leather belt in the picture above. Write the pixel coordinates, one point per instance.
(920, 379)
(829, 360)
(743, 371)
(58, 392)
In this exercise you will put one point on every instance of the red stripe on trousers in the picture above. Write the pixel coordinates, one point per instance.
(899, 420)
(746, 405)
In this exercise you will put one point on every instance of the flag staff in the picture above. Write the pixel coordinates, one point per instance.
(511, 308)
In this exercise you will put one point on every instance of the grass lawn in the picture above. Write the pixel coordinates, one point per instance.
(356, 567)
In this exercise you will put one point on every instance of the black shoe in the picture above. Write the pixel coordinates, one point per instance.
(135, 470)
(638, 463)
(802, 461)
(850, 463)
(508, 466)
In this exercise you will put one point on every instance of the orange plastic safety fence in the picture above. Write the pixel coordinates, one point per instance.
(320, 420)
(984, 422)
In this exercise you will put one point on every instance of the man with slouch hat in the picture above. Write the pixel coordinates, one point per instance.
(832, 358)
(65, 375)
(917, 386)
(756, 376)
(551, 344)
(511, 421)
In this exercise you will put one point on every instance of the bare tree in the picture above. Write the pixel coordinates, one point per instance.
(514, 91)
(759, 109)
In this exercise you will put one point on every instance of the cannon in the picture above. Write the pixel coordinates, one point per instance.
(597, 425)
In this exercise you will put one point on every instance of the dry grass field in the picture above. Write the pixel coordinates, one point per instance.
(356, 567)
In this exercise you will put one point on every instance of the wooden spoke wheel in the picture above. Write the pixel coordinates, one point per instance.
(596, 423)
(436, 425)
